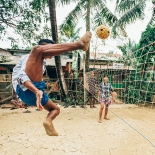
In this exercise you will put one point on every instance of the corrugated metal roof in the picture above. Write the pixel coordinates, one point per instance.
(49, 62)
(4, 52)
(105, 56)
(19, 50)
(109, 67)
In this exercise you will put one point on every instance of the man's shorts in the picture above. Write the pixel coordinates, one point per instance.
(29, 98)
(106, 101)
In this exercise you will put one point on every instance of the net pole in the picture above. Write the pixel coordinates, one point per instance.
(84, 79)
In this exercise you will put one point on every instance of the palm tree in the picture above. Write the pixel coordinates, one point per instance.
(152, 20)
(128, 47)
(128, 50)
(70, 36)
(126, 11)
(52, 11)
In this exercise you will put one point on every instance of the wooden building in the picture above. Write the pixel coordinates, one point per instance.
(9, 58)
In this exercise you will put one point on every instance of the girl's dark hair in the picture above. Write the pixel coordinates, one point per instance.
(106, 76)
(45, 41)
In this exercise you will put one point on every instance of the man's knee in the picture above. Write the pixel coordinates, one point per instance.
(58, 110)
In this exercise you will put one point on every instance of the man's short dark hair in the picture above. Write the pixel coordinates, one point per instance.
(41, 41)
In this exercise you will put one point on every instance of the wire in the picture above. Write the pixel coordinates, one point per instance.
(133, 128)
(137, 87)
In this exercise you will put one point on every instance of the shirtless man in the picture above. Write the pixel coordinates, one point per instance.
(27, 77)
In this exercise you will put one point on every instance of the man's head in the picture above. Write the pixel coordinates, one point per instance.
(105, 79)
(45, 42)
(92, 74)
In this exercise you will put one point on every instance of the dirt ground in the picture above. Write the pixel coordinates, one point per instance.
(128, 132)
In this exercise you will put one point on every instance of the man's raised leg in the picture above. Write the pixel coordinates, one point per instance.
(57, 49)
(41, 52)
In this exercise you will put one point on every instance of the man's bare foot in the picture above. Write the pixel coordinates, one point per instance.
(100, 121)
(106, 118)
(94, 106)
(49, 128)
(86, 41)
(91, 106)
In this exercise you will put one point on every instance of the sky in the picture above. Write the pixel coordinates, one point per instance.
(133, 30)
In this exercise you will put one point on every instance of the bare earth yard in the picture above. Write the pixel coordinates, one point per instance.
(79, 132)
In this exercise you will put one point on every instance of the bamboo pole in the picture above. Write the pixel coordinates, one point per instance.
(84, 79)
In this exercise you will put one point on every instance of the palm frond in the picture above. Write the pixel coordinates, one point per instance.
(73, 17)
(65, 2)
(39, 5)
(104, 16)
(129, 17)
(124, 5)
(152, 20)
(96, 3)
(132, 15)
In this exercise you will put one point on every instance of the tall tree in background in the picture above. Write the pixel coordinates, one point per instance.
(88, 9)
(126, 11)
(52, 10)
(152, 20)
(128, 50)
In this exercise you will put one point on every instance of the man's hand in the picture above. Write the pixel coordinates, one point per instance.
(113, 99)
(113, 94)
(98, 99)
(39, 95)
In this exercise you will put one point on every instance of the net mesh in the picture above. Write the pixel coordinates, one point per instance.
(134, 81)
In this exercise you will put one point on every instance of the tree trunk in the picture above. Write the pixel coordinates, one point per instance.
(60, 74)
(144, 67)
(87, 29)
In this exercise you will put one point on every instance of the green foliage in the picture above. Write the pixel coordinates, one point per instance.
(128, 50)
(129, 47)
(15, 47)
(4, 59)
(126, 12)
(71, 35)
(140, 84)
(139, 89)
(25, 18)
(146, 54)
(129, 11)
